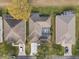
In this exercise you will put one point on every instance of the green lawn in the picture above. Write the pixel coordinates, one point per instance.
(7, 49)
(52, 10)
(75, 48)
(48, 49)
(27, 31)
(28, 45)
(28, 48)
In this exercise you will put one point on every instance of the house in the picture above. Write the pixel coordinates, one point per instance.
(65, 30)
(39, 30)
(14, 30)
(39, 27)
(1, 29)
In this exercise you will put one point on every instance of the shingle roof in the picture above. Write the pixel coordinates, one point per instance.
(37, 17)
(66, 16)
(64, 25)
(14, 28)
(11, 21)
(37, 23)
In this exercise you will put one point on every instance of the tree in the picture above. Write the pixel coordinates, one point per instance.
(19, 9)
(43, 51)
(57, 49)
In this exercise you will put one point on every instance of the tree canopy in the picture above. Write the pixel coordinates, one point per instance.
(19, 9)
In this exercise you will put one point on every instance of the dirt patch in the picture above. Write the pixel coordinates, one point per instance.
(4, 3)
(54, 2)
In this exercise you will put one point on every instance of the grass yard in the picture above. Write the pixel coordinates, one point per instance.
(28, 49)
(75, 48)
(7, 49)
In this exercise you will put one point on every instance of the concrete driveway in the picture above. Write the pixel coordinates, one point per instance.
(22, 50)
(69, 53)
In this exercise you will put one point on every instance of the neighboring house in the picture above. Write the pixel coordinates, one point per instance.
(39, 30)
(14, 30)
(1, 29)
(39, 27)
(65, 30)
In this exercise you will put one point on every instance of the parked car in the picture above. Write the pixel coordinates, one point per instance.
(66, 49)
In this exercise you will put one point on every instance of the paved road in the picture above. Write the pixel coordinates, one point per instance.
(62, 57)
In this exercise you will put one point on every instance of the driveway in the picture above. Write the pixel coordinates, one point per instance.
(69, 48)
(22, 50)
